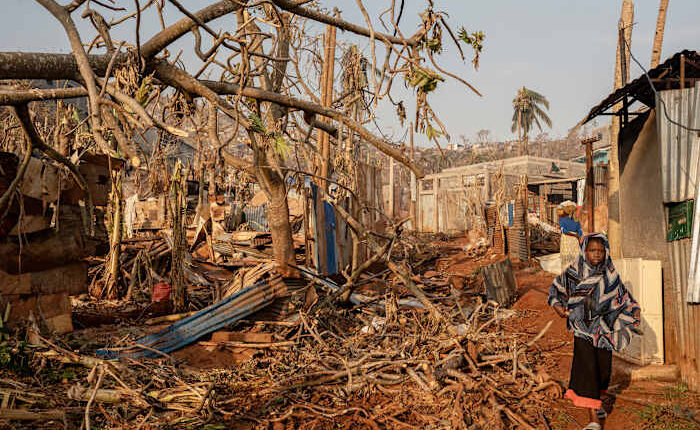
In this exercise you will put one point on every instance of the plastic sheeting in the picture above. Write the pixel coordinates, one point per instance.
(680, 164)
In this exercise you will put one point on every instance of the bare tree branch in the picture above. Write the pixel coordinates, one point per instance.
(164, 38)
(341, 24)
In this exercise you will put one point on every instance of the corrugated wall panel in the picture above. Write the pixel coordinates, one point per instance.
(686, 316)
(680, 158)
(680, 170)
(680, 148)
(693, 295)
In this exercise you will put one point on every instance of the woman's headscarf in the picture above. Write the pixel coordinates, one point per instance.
(567, 208)
(601, 308)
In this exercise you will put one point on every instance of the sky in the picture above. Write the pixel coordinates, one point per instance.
(564, 50)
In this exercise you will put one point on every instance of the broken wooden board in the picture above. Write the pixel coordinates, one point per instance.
(54, 310)
(71, 279)
(48, 249)
(237, 336)
(499, 281)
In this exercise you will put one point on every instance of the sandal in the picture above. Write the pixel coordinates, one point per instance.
(592, 426)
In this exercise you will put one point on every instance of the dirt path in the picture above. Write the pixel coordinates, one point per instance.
(637, 405)
(533, 288)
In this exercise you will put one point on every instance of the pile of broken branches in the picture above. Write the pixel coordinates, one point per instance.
(375, 366)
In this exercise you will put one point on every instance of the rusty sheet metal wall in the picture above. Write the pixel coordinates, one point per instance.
(517, 234)
(680, 161)
(600, 175)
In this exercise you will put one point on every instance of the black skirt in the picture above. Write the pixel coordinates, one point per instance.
(590, 374)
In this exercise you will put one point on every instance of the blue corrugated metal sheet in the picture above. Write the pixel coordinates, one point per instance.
(510, 214)
(331, 259)
(233, 308)
(331, 256)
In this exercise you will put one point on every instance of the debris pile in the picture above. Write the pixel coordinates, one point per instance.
(445, 359)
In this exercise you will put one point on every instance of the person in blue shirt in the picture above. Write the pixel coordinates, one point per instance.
(570, 227)
(571, 233)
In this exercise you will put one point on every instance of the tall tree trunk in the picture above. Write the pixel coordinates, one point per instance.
(280, 227)
(659, 35)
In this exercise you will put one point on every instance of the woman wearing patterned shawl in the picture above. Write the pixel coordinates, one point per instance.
(601, 312)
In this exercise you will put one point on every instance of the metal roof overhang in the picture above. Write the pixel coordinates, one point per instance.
(664, 77)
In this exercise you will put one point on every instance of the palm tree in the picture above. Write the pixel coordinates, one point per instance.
(527, 111)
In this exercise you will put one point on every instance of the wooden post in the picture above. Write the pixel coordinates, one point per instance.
(682, 71)
(327, 98)
(414, 187)
(390, 209)
(590, 183)
(543, 195)
(324, 146)
(436, 215)
(621, 77)
(590, 186)
(659, 34)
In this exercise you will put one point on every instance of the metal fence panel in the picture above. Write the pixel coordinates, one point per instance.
(680, 148)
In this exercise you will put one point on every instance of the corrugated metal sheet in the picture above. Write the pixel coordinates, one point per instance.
(680, 168)
(686, 330)
(693, 295)
(680, 148)
(256, 216)
(221, 314)
(331, 239)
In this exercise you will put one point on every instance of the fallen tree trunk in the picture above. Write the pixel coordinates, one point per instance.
(23, 415)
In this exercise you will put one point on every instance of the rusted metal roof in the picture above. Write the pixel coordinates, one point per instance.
(665, 76)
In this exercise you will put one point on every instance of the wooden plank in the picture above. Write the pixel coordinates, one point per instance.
(233, 336)
(71, 279)
(54, 310)
(499, 281)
